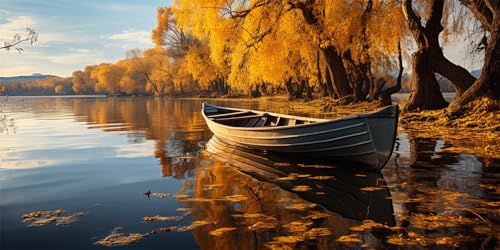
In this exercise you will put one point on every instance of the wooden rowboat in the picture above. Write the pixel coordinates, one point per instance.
(366, 139)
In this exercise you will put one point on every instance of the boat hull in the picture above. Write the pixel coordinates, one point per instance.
(366, 139)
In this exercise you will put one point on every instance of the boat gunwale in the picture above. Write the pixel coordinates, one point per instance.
(318, 121)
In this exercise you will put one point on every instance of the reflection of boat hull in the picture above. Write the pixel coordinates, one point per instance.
(342, 195)
(367, 139)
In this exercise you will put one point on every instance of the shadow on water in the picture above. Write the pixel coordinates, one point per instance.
(427, 196)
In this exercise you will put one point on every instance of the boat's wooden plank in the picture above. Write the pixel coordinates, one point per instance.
(338, 138)
(229, 114)
(274, 137)
(237, 118)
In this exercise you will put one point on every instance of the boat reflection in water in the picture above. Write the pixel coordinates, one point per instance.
(278, 202)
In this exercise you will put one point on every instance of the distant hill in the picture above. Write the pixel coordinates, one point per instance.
(23, 78)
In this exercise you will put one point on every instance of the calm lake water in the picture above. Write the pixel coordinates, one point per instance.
(94, 158)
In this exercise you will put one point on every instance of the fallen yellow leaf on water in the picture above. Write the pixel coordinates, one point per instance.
(42, 218)
(371, 189)
(162, 218)
(351, 238)
(219, 232)
(314, 166)
(119, 239)
(261, 225)
(288, 239)
(322, 177)
(367, 224)
(303, 175)
(159, 195)
(277, 246)
(315, 215)
(360, 175)
(400, 241)
(193, 226)
(253, 215)
(236, 198)
(287, 178)
(184, 209)
(298, 226)
(317, 232)
(301, 206)
(302, 188)
(445, 241)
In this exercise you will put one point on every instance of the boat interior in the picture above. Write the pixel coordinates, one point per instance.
(246, 118)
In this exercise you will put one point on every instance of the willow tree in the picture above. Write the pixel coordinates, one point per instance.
(487, 12)
(192, 67)
(243, 29)
(429, 58)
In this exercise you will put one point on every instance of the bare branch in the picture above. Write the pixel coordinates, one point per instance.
(31, 37)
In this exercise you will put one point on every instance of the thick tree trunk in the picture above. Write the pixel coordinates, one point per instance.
(289, 89)
(329, 84)
(338, 74)
(488, 84)
(335, 66)
(459, 76)
(323, 90)
(299, 90)
(308, 96)
(426, 93)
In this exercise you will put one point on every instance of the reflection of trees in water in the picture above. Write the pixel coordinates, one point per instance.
(175, 126)
(268, 208)
(438, 195)
(425, 181)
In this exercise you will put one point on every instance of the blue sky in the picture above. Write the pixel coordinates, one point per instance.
(73, 33)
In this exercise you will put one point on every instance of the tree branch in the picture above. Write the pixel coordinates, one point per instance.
(32, 37)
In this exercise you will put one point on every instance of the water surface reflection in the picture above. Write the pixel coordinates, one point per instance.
(106, 151)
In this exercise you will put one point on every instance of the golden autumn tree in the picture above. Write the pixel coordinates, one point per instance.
(83, 83)
(240, 29)
(192, 67)
(133, 80)
(108, 78)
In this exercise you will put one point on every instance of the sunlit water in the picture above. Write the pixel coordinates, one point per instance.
(99, 155)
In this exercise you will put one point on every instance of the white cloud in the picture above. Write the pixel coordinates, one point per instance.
(15, 25)
(133, 39)
(78, 57)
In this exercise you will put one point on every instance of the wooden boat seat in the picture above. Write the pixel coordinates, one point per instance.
(238, 118)
(229, 114)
